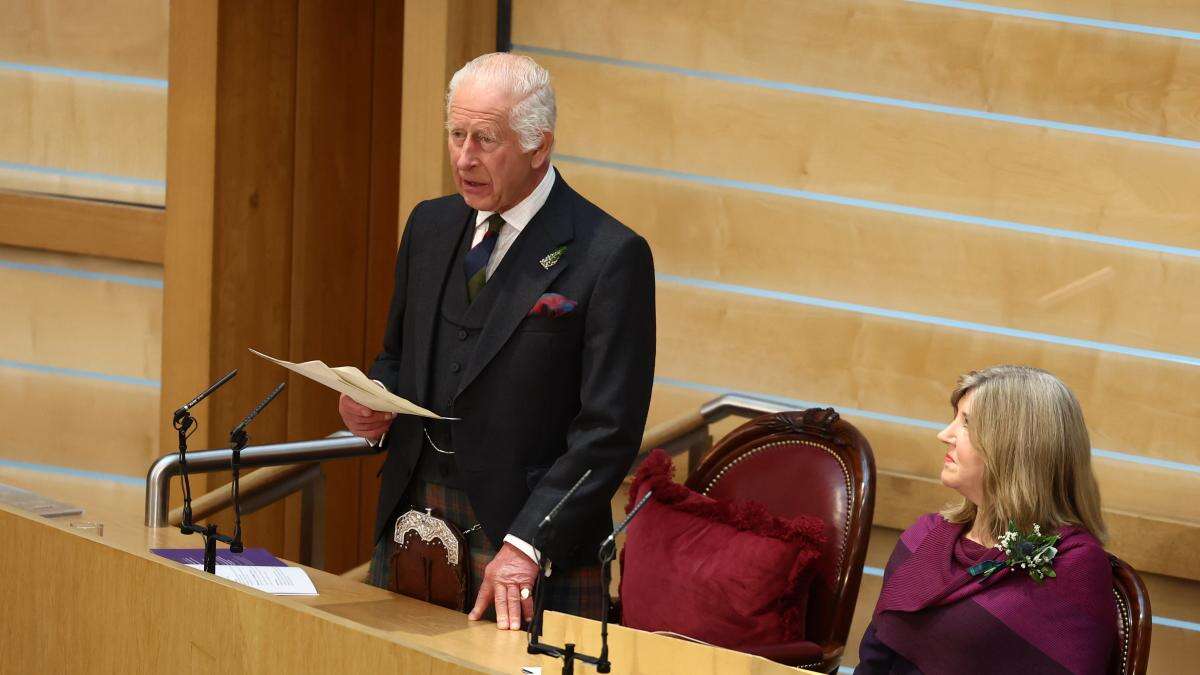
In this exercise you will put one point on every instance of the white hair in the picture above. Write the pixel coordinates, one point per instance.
(533, 111)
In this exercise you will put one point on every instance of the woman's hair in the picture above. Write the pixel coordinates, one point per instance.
(1028, 428)
(533, 110)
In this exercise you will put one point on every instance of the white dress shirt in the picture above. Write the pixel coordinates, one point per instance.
(515, 220)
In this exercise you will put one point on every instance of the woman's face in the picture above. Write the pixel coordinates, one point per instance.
(962, 468)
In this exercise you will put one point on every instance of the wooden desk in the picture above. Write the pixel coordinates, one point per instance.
(77, 603)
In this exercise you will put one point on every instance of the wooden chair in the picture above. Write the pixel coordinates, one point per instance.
(805, 462)
(1133, 620)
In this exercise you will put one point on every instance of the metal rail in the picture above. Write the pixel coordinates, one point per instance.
(343, 444)
(339, 445)
(739, 404)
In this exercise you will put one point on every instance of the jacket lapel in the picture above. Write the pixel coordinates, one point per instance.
(434, 264)
(521, 278)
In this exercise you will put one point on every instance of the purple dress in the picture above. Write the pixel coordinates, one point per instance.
(933, 617)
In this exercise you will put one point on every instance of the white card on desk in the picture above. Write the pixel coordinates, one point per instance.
(274, 580)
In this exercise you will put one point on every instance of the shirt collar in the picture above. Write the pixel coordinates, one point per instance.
(520, 215)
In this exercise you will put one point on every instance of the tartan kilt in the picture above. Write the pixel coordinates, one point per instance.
(573, 591)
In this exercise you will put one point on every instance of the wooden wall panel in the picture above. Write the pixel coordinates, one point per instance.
(79, 226)
(1178, 14)
(77, 125)
(298, 210)
(922, 53)
(56, 183)
(187, 256)
(253, 210)
(1056, 179)
(85, 324)
(900, 368)
(328, 274)
(1039, 283)
(78, 423)
(127, 37)
(81, 361)
(439, 38)
(387, 73)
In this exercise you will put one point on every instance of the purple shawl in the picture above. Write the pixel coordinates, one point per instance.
(935, 614)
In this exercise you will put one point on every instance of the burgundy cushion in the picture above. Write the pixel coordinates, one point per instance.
(725, 572)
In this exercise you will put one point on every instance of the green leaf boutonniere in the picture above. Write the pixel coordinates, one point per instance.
(551, 259)
(1033, 552)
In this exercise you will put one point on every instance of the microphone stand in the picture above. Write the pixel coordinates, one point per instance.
(183, 422)
(567, 652)
(608, 551)
(238, 439)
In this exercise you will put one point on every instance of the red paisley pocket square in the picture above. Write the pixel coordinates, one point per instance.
(552, 305)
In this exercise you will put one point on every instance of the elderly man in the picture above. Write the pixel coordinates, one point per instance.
(526, 312)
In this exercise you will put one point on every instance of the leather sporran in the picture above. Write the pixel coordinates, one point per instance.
(431, 560)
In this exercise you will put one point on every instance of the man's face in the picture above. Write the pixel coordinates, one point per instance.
(491, 171)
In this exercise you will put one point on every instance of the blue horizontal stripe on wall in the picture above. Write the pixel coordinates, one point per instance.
(929, 320)
(1158, 620)
(907, 421)
(81, 274)
(1176, 623)
(1064, 18)
(82, 374)
(886, 207)
(87, 175)
(863, 98)
(75, 473)
(84, 74)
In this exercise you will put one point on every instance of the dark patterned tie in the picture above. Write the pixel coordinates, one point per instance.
(475, 263)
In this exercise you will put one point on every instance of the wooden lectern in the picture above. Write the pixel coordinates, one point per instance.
(73, 602)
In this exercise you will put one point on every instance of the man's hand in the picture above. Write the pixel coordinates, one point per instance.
(362, 421)
(503, 578)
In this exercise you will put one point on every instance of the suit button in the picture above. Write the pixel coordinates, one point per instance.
(455, 367)
(462, 334)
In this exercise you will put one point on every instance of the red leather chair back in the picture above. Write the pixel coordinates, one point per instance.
(1133, 620)
(805, 462)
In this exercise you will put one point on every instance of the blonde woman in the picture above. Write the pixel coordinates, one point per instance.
(1013, 577)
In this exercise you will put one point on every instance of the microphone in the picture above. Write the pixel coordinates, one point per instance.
(608, 551)
(237, 440)
(554, 511)
(535, 623)
(608, 547)
(183, 410)
(240, 429)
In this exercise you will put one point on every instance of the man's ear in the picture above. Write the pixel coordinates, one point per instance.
(541, 155)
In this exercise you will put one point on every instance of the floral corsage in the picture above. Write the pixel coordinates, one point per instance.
(1033, 552)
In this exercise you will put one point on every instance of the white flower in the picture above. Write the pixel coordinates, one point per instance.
(1037, 529)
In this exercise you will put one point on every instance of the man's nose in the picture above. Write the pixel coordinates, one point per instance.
(466, 157)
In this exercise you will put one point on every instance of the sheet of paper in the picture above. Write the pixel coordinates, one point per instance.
(274, 580)
(352, 382)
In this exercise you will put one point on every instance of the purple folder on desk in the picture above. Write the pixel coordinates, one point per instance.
(256, 557)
